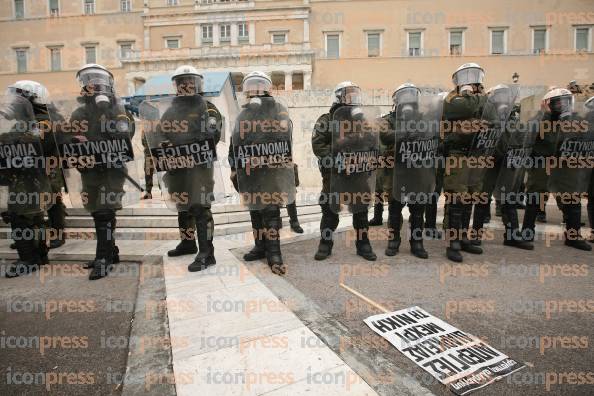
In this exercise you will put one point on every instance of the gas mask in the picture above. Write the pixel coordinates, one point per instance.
(357, 113)
(561, 107)
(98, 84)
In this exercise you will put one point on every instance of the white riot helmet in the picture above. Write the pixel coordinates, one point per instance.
(406, 99)
(32, 90)
(589, 103)
(256, 83)
(467, 75)
(348, 93)
(96, 81)
(187, 80)
(559, 102)
(502, 97)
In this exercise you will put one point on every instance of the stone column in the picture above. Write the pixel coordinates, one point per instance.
(216, 34)
(234, 34)
(198, 35)
(289, 81)
(306, 30)
(306, 80)
(252, 29)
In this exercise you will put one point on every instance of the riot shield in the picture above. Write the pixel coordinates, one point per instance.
(355, 149)
(495, 115)
(182, 133)
(515, 149)
(24, 181)
(416, 151)
(571, 165)
(97, 154)
(262, 153)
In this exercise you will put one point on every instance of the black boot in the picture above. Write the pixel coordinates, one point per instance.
(293, 219)
(529, 223)
(498, 208)
(416, 232)
(378, 212)
(512, 236)
(328, 225)
(103, 262)
(30, 246)
(258, 252)
(455, 232)
(361, 226)
(431, 230)
(187, 235)
(205, 231)
(573, 213)
(467, 246)
(478, 223)
(273, 224)
(394, 225)
(56, 216)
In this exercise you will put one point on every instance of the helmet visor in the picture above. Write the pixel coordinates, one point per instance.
(406, 96)
(94, 76)
(561, 104)
(468, 76)
(255, 86)
(350, 96)
(188, 84)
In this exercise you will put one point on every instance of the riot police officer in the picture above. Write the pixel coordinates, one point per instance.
(463, 107)
(568, 182)
(414, 136)
(193, 182)
(260, 155)
(25, 176)
(104, 118)
(347, 98)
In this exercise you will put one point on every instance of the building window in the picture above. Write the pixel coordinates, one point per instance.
(172, 2)
(539, 40)
(89, 7)
(206, 34)
(279, 38)
(583, 41)
(415, 40)
(225, 33)
(373, 44)
(125, 50)
(333, 46)
(243, 32)
(125, 5)
(19, 9)
(456, 42)
(56, 59)
(498, 45)
(54, 7)
(21, 58)
(172, 43)
(90, 54)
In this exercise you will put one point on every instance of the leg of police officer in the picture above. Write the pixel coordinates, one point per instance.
(272, 224)
(148, 171)
(28, 234)
(258, 252)
(394, 225)
(536, 193)
(104, 228)
(205, 233)
(416, 230)
(512, 236)
(483, 208)
(187, 245)
(56, 215)
(573, 216)
(431, 230)
(329, 220)
(361, 226)
(293, 219)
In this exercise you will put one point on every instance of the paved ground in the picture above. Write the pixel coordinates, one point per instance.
(526, 304)
(72, 334)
